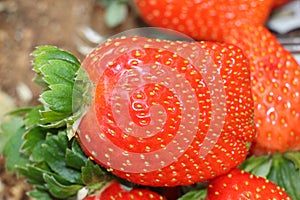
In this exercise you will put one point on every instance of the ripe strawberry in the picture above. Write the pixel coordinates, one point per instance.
(204, 20)
(238, 184)
(144, 124)
(280, 3)
(115, 191)
(275, 77)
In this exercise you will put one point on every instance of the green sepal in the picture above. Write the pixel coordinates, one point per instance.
(12, 147)
(54, 150)
(42, 148)
(33, 117)
(82, 98)
(94, 177)
(115, 13)
(44, 54)
(286, 174)
(92, 173)
(280, 168)
(75, 157)
(33, 140)
(60, 190)
(39, 194)
(34, 174)
(52, 119)
(59, 99)
(21, 111)
(253, 162)
(194, 195)
(56, 72)
(9, 128)
(294, 157)
(259, 166)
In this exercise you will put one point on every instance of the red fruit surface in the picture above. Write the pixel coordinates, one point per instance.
(204, 20)
(114, 191)
(280, 3)
(132, 131)
(238, 185)
(275, 77)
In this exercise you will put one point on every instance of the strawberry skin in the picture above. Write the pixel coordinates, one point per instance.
(102, 124)
(280, 3)
(238, 184)
(202, 19)
(275, 77)
(115, 191)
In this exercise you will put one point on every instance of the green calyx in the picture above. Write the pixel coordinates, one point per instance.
(41, 146)
(115, 11)
(65, 88)
(282, 169)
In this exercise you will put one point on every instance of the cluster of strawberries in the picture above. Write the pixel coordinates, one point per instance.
(261, 81)
(214, 118)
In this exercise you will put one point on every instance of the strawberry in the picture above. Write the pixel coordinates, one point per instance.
(116, 191)
(151, 119)
(280, 3)
(238, 184)
(204, 20)
(275, 77)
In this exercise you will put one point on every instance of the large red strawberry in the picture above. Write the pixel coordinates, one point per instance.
(275, 77)
(167, 113)
(115, 191)
(202, 19)
(240, 185)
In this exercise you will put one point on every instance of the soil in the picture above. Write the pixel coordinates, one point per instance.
(25, 24)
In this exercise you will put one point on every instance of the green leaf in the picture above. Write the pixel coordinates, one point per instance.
(285, 174)
(12, 150)
(43, 54)
(9, 128)
(194, 195)
(75, 157)
(294, 157)
(33, 117)
(59, 72)
(52, 119)
(32, 145)
(40, 195)
(54, 151)
(59, 98)
(60, 190)
(115, 14)
(93, 174)
(56, 71)
(253, 162)
(82, 91)
(33, 173)
(263, 169)
(21, 111)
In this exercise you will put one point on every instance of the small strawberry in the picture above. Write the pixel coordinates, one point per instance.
(115, 191)
(238, 184)
(151, 117)
(275, 77)
(204, 20)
